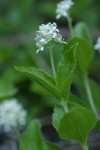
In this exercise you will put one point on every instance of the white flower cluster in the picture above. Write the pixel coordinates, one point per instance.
(11, 114)
(63, 7)
(97, 45)
(46, 34)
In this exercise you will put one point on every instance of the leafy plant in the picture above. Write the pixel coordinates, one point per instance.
(73, 117)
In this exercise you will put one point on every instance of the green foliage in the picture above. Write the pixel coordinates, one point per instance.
(59, 111)
(42, 78)
(57, 115)
(76, 124)
(94, 87)
(48, 8)
(87, 11)
(18, 17)
(81, 31)
(22, 15)
(84, 54)
(65, 70)
(7, 88)
(32, 139)
(52, 146)
(75, 101)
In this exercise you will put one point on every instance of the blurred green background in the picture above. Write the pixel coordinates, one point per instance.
(19, 20)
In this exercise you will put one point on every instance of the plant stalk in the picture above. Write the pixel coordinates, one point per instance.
(52, 63)
(70, 24)
(64, 105)
(17, 133)
(85, 147)
(90, 97)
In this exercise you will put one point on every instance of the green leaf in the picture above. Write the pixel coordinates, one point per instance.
(65, 70)
(42, 78)
(59, 111)
(7, 88)
(57, 115)
(76, 124)
(52, 146)
(84, 54)
(75, 101)
(81, 31)
(32, 139)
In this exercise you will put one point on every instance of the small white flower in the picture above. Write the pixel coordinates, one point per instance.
(11, 114)
(46, 34)
(97, 45)
(63, 7)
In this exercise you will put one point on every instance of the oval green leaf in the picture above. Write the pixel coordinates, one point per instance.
(76, 124)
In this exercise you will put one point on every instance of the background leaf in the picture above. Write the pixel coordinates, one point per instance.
(84, 54)
(32, 139)
(7, 88)
(95, 90)
(81, 31)
(52, 146)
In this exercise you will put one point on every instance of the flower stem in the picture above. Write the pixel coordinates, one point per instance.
(90, 97)
(64, 105)
(52, 63)
(17, 133)
(70, 24)
(85, 147)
